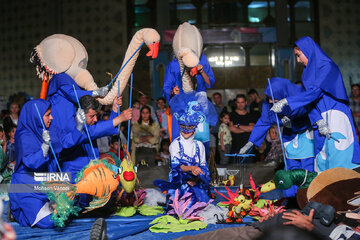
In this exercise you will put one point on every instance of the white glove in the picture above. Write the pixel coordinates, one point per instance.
(323, 128)
(45, 149)
(286, 122)
(246, 147)
(46, 144)
(46, 136)
(80, 119)
(278, 106)
(101, 92)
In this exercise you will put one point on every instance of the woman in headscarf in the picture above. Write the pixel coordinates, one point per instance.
(297, 133)
(335, 140)
(29, 206)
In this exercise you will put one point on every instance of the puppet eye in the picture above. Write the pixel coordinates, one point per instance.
(114, 176)
(281, 182)
(120, 170)
(135, 169)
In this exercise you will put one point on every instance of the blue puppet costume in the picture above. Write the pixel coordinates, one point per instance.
(297, 132)
(189, 171)
(31, 208)
(326, 95)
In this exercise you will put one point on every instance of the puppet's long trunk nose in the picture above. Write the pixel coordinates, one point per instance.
(44, 87)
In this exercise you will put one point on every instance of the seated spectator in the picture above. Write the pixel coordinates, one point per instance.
(136, 111)
(145, 138)
(274, 156)
(144, 101)
(4, 170)
(113, 155)
(103, 143)
(13, 118)
(10, 148)
(225, 138)
(163, 157)
(161, 115)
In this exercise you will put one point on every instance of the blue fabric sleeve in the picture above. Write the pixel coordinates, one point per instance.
(98, 130)
(208, 71)
(68, 92)
(169, 82)
(304, 98)
(262, 125)
(32, 157)
(113, 115)
(314, 115)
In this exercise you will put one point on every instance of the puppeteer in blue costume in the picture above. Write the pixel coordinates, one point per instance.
(63, 99)
(297, 134)
(61, 61)
(188, 72)
(32, 143)
(189, 171)
(336, 143)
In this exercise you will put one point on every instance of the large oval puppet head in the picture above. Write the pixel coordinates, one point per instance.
(60, 53)
(188, 44)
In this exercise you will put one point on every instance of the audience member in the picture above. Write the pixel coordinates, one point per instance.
(255, 103)
(161, 115)
(225, 138)
(144, 101)
(136, 111)
(163, 157)
(10, 149)
(241, 124)
(103, 143)
(13, 118)
(112, 156)
(274, 156)
(5, 172)
(219, 107)
(145, 138)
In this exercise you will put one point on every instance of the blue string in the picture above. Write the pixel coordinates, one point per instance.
(124, 65)
(86, 129)
(239, 155)
(52, 150)
(119, 143)
(278, 125)
(128, 136)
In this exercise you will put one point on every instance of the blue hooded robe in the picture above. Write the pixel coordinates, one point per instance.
(64, 106)
(28, 207)
(298, 140)
(326, 95)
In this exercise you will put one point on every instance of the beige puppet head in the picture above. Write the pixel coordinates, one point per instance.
(60, 53)
(188, 44)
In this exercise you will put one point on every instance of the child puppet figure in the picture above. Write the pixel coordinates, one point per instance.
(188, 168)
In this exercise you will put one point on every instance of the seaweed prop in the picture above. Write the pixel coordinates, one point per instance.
(269, 207)
(128, 205)
(187, 218)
